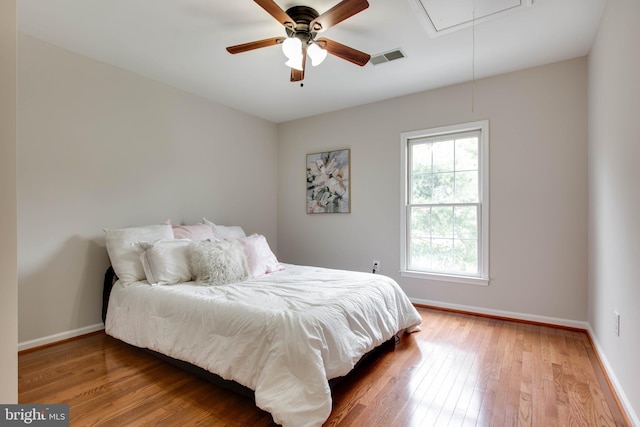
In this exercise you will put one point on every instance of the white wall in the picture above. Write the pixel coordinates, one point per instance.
(8, 242)
(538, 218)
(614, 197)
(100, 147)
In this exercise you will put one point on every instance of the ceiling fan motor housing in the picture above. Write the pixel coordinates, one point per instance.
(302, 15)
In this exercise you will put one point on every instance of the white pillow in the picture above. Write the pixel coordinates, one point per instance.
(124, 257)
(260, 258)
(165, 262)
(222, 232)
(218, 263)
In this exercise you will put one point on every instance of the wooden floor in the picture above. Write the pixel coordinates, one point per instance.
(460, 370)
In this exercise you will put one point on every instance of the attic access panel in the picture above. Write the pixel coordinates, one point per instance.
(444, 16)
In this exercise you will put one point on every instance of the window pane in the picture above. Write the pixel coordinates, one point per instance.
(443, 159)
(442, 255)
(421, 158)
(467, 154)
(420, 239)
(420, 254)
(443, 187)
(421, 222)
(466, 256)
(466, 222)
(442, 221)
(466, 186)
(421, 174)
(421, 188)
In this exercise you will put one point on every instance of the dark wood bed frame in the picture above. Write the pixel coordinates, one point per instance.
(110, 279)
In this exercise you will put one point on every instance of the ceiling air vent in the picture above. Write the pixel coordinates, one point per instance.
(387, 57)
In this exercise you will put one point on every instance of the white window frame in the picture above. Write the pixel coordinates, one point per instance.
(482, 278)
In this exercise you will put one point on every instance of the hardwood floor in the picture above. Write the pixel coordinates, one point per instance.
(460, 370)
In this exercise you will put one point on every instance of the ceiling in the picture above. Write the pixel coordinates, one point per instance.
(182, 43)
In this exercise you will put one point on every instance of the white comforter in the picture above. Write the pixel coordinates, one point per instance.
(282, 335)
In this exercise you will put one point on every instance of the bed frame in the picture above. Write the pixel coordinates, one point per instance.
(110, 279)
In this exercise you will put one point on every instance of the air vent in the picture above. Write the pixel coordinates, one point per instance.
(387, 57)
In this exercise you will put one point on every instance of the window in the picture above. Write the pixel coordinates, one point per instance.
(445, 203)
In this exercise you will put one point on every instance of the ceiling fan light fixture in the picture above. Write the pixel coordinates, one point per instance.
(316, 53)
(295, 63)
(292, 47)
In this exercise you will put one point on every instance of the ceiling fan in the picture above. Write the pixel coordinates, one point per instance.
(302, 24)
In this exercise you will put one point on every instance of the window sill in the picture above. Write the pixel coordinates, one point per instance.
(465, 280)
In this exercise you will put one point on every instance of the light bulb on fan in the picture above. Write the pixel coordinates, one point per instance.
(292, 47)
(295, 62)
(316, 53)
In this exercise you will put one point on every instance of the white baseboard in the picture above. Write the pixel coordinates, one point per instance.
(59, 337)
(508, 314)
(633, 417)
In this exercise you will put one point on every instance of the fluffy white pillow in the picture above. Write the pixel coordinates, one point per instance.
(218, 263)
(260, 258)
(165, 262)
(122, 253)
(222, 232)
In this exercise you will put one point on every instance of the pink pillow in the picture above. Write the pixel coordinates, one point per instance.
(261, 260)
(193, 232)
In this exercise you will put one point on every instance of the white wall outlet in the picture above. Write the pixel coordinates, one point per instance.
(375, 266)
(616, 322)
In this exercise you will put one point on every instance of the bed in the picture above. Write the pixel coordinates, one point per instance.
(284, 333)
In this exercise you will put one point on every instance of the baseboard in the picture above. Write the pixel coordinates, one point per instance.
(613, 380)
(554, 321)
(26, 345)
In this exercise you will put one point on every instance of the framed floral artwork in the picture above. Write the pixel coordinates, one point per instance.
(328, 182)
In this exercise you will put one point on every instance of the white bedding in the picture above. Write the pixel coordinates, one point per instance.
(283, 335)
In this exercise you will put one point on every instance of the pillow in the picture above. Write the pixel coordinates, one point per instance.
(193, 232)
(165, 262)
(222, 232)
(259, 256)
(218, 263)
(124, 257)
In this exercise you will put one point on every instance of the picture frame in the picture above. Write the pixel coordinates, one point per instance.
(328, 182)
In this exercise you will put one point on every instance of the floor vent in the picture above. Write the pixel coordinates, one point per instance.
(386, 57)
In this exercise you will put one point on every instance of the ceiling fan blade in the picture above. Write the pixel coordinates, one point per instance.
(276, 11)
(298, 75)
(345, 52)
(255, 45)
(338, 13)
